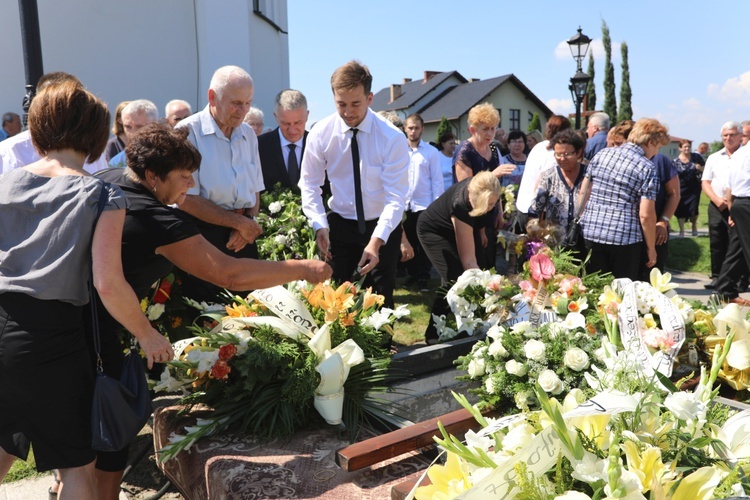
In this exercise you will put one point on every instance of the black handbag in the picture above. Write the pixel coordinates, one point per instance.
(120, 408)
(573, 233)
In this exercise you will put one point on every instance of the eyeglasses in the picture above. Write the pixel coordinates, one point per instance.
(563, 156)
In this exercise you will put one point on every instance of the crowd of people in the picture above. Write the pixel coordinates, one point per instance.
(184, 191)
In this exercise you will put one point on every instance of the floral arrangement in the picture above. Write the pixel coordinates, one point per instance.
(169, 311)
(266, 365)
(638, 437)
(286, 231)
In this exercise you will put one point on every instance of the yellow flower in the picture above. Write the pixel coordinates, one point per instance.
(239, 311)
(646, 463)
(144, 305)
(608, 301)
(699, 485)
(649, 321)
(371, 299)
(448, 481)
(661, 281)
(337, 301)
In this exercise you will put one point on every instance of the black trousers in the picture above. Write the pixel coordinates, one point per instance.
(347, 245)
(623, 261)
(419, 266)
(735, 262)
(662, 254)
(718, 233)
(218, 236)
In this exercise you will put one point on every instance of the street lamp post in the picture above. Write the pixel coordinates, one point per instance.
(579, 45)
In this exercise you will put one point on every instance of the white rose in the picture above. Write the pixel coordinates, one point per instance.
(489, 386)
(275, 207)
(685, 406)
(576, 359)
(476, 368)
(550, 382)
(522, 327)
(534, 349)
(496, 332)
(497, 350)
(515, 368)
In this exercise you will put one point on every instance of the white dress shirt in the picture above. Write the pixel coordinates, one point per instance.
(384, 164)
(230, 173)
(540, 159)
(739, 172)
(425, 177)
(285, 150)
(18, 151)
(717, 171)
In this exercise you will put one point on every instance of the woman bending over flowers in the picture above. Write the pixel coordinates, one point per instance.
(447, 228)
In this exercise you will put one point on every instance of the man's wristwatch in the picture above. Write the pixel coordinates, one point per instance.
(665, 218)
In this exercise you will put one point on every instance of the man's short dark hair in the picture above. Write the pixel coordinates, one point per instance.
(415, 116)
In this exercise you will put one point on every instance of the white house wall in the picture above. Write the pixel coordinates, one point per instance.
(158, 50)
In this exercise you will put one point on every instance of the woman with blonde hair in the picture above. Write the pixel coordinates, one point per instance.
(478, 154)
(119, 140)
(620, 214)
(446, 231)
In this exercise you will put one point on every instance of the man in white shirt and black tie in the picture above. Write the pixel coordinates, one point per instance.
(425, 185)
(366, 160)
(281, 150)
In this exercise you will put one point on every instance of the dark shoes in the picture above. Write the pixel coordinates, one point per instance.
(710, 286)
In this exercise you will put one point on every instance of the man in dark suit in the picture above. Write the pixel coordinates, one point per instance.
(281, 149)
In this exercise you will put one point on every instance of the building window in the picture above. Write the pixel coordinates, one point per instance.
(515, 119)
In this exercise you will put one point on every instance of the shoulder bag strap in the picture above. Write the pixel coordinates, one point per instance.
(92, 292)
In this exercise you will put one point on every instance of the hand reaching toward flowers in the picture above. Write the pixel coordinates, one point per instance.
(156, 347)
(317, 271)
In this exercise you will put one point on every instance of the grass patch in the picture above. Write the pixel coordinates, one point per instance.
(410, 330)
(690, 254)
(22, 470)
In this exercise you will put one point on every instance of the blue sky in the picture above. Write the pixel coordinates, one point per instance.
(689, 65)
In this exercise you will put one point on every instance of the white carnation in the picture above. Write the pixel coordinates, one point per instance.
(275, 207)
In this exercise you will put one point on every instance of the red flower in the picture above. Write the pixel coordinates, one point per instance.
(162, 294)
(227, 352)
(220, 370)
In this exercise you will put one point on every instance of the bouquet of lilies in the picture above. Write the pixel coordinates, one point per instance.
(271, 362)
(637, 437)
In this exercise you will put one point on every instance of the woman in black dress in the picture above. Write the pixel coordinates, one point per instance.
(689, 167)
(446, 231)
(156, 237)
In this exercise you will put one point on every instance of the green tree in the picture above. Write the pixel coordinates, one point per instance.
(535, 124)
(626, 94)
(443, 127)
(610, 101)
(715, 146)
(591, 89)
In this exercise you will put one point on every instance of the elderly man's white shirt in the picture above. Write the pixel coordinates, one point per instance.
(384, 164)
(425, 177)
(717, 171)
(18, 151)
(230, 173)
(739, 172)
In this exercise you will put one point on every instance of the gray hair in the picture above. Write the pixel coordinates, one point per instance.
(142, 106)
(745, 123)
(289, 100)
(177, 101)
(226, 76)
(600, 119)
(731, 125)
(392, 117)
(254, 112)
(10, 117)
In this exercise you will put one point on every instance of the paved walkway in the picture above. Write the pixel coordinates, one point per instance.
(691, 286)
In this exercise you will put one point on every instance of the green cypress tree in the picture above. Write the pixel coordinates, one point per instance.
(626, 94)
(591, 89)
(443, 127)
(610, 101)
(535, 124)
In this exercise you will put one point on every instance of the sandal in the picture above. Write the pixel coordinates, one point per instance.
(53, 494)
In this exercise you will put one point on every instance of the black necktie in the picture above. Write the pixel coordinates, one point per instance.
(292, 165)
(358, 184)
